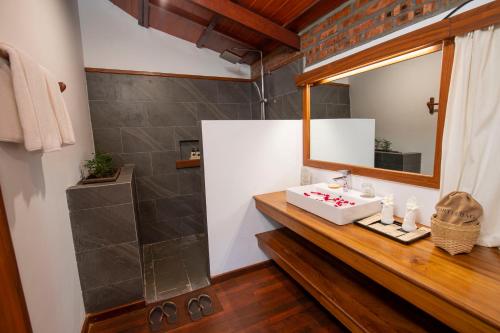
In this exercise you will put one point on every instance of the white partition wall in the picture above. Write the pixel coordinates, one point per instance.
(243, 158)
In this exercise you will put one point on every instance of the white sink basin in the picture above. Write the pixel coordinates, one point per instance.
(334, 205)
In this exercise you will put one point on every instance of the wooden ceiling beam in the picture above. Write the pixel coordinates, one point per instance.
(251, 20)
(204, 36)
(319, 9)
(143, 17)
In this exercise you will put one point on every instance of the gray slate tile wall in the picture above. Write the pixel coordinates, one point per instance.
(105, 236)
(141, 119)
(285, 98)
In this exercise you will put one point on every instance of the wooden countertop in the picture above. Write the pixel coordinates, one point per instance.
(462, 291)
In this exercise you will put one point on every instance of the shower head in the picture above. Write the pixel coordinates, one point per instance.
(230, 56)
(235, 58)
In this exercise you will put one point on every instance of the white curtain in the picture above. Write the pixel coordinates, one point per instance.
(471, 143)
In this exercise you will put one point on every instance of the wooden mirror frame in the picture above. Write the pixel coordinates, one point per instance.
(441, 32)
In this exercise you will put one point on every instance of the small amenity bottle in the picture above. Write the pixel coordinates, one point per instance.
(388, 210)
(409, 224)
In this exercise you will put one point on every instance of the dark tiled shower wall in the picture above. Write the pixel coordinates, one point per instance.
(285, 98)
(141, 119)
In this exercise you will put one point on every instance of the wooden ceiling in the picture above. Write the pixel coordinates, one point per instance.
(227, 25)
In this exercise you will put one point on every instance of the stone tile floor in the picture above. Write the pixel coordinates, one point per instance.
(175, 267)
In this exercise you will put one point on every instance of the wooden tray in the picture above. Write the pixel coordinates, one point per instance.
(393, 231)
(102, 180)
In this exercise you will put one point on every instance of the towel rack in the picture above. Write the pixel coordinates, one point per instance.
(62, 85)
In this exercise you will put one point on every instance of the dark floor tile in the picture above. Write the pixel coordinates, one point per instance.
(99, 227)
(170, 275)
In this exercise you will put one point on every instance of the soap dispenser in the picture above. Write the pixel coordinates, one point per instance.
(388, 209)
(409, 224)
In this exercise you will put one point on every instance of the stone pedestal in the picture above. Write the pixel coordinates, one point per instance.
(104, 225)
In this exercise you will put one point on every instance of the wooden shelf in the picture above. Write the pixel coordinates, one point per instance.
(461, 291)
(183, 164)
(359, 303)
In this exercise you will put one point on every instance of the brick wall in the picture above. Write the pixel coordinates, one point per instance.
(360, 21)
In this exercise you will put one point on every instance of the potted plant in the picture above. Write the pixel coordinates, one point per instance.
(383, 145)
(100, 169)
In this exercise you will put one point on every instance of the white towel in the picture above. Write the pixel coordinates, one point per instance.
(10, 128)
(41, 111)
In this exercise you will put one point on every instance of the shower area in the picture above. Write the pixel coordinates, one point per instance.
(154, 122)
(147, 236)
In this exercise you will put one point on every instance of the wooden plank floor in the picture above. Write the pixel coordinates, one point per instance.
(265, 300)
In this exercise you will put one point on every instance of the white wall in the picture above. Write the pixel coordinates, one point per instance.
(343, 141)
(34, 185)
(396, 97)
(242, 159)
(113, 39)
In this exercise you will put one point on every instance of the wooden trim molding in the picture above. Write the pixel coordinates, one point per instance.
(91, 318)
(442, 32)
(240, 271)
(14, 315)
(160, 74)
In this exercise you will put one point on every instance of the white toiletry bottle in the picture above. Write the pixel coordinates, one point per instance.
(305, 176)
(388, 210)
(409, 224)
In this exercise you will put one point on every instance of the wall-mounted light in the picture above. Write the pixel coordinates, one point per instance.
(383, 63)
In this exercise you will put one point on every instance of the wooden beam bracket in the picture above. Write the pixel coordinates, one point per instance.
(251, 20)
(143, 18)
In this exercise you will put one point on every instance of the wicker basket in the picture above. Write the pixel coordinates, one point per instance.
(454, 238)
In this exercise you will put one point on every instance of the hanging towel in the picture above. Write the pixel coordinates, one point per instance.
(41, 111)
(10, 128)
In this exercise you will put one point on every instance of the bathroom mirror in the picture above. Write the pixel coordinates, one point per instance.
(383, 118)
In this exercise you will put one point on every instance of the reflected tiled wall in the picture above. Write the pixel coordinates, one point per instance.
(285, 98)
(141, 119)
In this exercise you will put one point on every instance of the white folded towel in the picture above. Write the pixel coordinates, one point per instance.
(41, 112)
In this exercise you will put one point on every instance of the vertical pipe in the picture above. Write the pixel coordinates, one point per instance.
(263, 98)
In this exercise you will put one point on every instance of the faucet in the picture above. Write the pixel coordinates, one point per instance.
(346, 178)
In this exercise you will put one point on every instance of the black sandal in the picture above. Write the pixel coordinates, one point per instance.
(170, 311)
(206, 304)
(155, 318)
(194, 309)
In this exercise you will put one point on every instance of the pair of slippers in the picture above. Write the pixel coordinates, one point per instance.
(166, 310)
(199, 307)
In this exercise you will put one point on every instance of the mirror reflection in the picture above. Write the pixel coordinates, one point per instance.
(379, 118)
